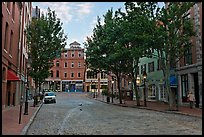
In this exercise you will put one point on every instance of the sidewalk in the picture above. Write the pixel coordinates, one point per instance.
(10, 119)
(156, 106)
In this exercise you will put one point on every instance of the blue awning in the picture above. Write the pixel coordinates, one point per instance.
(173, 81)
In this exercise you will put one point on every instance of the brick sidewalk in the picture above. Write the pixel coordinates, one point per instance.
(10, 119)
(156, 106)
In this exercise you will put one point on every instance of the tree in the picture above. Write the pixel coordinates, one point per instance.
(45, 39)
(137, 25)
(173, 35)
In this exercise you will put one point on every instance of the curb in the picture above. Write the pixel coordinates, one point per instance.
(170, 112)
(25, 129)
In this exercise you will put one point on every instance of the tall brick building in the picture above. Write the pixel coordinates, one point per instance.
(189, 68)
(14, 50)
(67, 74)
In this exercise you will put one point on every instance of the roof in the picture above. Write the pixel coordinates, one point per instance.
(75, 43)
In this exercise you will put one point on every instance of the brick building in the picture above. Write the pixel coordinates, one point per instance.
(12, 61)
(67, 74)
(189, 68)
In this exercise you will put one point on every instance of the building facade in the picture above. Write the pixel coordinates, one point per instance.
(189, 68)
(67, 74)
(13, 61)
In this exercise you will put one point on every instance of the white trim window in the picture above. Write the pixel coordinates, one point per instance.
(65, 55)
(79, 74)
(65, 74)
(72, 74)
(72, 54)
(79, 54)
(65, 65)
(72, 64)
(152, 91)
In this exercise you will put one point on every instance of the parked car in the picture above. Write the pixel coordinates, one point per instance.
(49, 97)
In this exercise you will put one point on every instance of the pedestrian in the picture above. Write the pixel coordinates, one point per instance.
(191, 99)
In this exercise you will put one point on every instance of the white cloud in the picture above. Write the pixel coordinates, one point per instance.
(67, 11)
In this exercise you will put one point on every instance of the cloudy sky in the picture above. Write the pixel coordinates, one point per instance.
(79, 18)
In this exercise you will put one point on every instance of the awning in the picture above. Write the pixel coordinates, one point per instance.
(173, 81)
(12, 76)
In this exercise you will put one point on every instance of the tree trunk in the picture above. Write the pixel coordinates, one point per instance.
(167, 84)
(136, 92)
(118, 84)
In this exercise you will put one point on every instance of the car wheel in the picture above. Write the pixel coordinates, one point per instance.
(54, 101)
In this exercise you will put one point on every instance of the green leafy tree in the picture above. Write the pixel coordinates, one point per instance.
(173, 35)
(46, 39)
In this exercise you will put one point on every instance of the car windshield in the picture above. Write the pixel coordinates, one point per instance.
(49, 94)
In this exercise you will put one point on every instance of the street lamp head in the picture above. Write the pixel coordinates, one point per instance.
(138, 81)
(112, 82)
(144, 74)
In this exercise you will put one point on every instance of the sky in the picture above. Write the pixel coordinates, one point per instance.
(79, 18)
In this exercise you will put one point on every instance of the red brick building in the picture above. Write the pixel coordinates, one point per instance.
(189, 68)
(67, 74)
(11, 12)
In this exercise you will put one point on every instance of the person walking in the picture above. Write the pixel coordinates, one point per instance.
(191, 99)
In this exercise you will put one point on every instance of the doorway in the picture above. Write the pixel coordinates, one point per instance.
(87, 88)
(196, 90)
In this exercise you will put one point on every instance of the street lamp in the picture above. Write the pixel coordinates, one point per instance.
(112, 90)
(27, 87)
(145, 76)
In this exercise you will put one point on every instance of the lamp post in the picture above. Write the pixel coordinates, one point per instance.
(27, 87)
(112, 90)
(138, 82)
(145, 76)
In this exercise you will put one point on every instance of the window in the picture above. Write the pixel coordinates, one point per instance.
(72, 54)
(57, 73)
(65, 64)
(151, 67)
(91, 74)
(158, 64)
(79, 64)
(152, 91)
(11, 42)
(13, 11)
(72, 74)
(72, 64)
(141, 69)
(184, 86)
(103, 75)
(65, 74)
(57, 63)
(79, 54)
(188, 56)
(51, 73)
(79, 75)
(65, 55)
(6, 37)
(162, 93)
(144, 67)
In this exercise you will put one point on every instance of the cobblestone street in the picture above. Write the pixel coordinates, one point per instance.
(76, 114)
